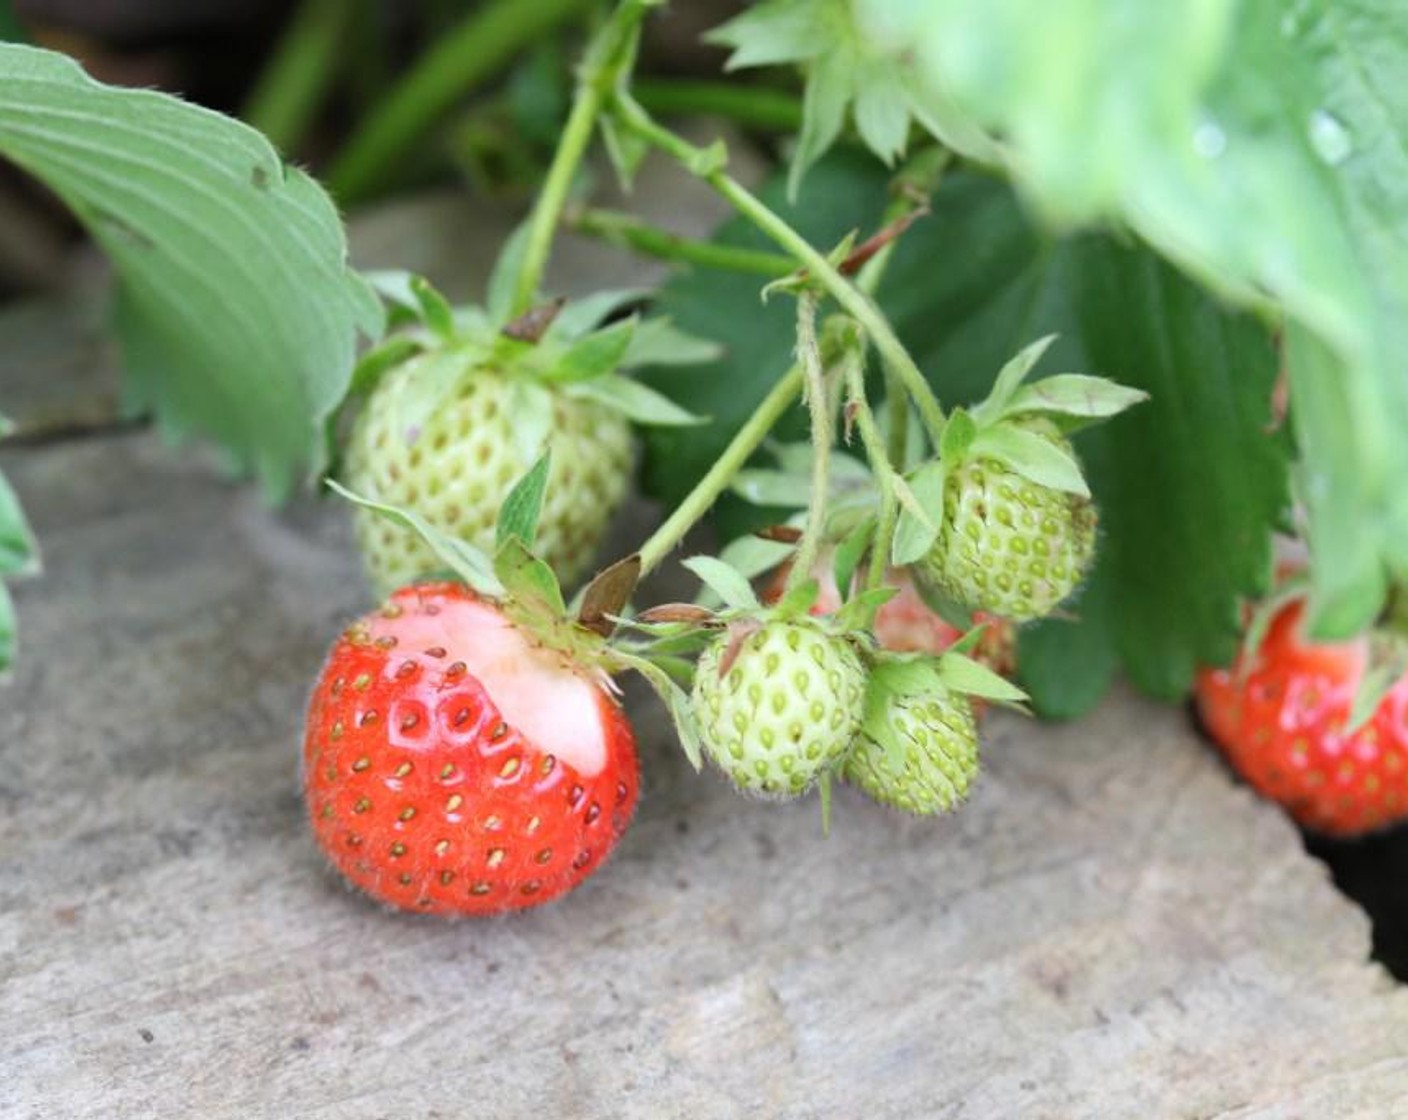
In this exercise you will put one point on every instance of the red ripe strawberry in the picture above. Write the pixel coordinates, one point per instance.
(1280, 721)
(905, 623)
(454, 766)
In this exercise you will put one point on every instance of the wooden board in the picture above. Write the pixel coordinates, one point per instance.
(1110, 928)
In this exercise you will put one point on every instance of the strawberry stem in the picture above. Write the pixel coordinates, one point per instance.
(706, 492)
(708, 164)
(626, 231)
(886, 474)
(819, 401)
(609, 54)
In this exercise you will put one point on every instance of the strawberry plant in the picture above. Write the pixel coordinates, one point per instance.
(1054, 318)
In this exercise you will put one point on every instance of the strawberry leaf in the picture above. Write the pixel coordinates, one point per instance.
(849, 554)
(635, 401)
(1032, 457)
(1009, 380)
(528, 579)
(915, 537)
(659, 342)
(236, 312)
(728, 583)
(960, 673)
(518, 516)
(463, 559)
(593, 356)
(498, 298)
(1074, 395)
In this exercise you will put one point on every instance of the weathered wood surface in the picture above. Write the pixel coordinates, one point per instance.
(1111, 928)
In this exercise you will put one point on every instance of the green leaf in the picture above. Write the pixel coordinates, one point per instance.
(773, 488)
(915, 537)
(581, 316)
(434, 308)
(236, 312)
(498, 298)
(1261, 145)
(1009, 379)
(1032, 457)
(962, 674)
(635, 401)
(830, 85)
(463, 559)
(518, 516)
(526, 578)
(773, 32)
(849, 554)
(594, 355)
(728, 583)
(18, 552)
(1074, 394)
(659, 342)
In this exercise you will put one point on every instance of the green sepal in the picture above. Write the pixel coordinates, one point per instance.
(676, 702)
(1073, 396)
(1388, 661)
(725, 581)
(592, 356)
(913, 537)
(858, 612)
(7, 633)
(848, 555)
(498, 299)
(960, 430)
(1032, 457)
(752, 555)
(466, 561)
(960, 673)
(1009, 379)
(637, 402)
(435, 310)
(532, 416)
(626, 148)
(823, 789)
(799, 600)
(527, 579)
(658, 342)
(378, 361)
(519, 513)
(582, 316)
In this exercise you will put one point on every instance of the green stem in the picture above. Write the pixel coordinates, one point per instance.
(628, 232)
(751, 105)
(708, 164)
(886, 474)
(823, 435)
(600, 68)
(485, 42)
(706, 492)
(296, 79)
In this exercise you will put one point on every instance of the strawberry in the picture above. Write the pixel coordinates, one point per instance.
(1279, 715)
(454, 765)
(936, 760)
(904, 623)
(443, 437)
(1008, 545)
(777, 702)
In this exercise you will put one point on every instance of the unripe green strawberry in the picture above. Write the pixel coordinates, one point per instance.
(938, 756)
(1008, 545)
(451, 452)
(779, 704)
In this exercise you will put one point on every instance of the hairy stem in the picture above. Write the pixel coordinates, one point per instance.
(752, 105)
(706, 492)
(708, 164)
(819, 402)
(629, 232)
(612, 47)
(880, 463)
